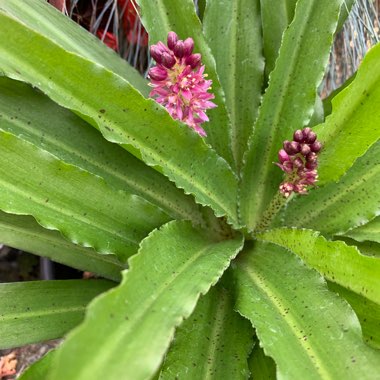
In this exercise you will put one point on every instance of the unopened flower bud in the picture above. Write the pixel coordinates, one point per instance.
(311, 157)
(179, 49)
(311, 165)
(291, 147)
(298, 163)
(167, 60)
(188, 46)
(298, 136)
(157, 73)
(305, 149)
(156, 53)
(306, 132)
(172, 40)
(283, 156)
(311, 137)
(316, 146)
(193, 60)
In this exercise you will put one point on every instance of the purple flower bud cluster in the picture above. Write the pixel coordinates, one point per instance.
(178, 82)
(298, 159)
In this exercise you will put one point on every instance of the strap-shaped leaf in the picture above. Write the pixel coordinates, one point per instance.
(213, 343)
(367, 311)
(310, 332)
(23, 232)
(233, 32)
(262, 367)
(122, 114)
(162, 16)
(41, 310)
(354, 124)
(276, 15)
(27, 113)
(338, 207)
(127, 332)
(46, 20)
(78, 204)
(369, 231)
(288, 102)
(335, 260)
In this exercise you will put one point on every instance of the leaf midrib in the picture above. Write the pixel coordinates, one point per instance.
(41, 313)
(122, 331)
(106, 258)
(210, 361)
(56, 209)
(314, 212)
(291, 322)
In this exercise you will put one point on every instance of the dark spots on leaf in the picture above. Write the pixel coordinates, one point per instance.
(102, 110)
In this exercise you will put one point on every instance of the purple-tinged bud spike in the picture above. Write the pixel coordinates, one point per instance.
(306, 132)
(283, 156)
(316, 146)
(179, 49)
(167, 60)
(305, 149)
(193, 60)
(172, 40)
(311, 137)
(157, 73)
(156, 53)
(298, 136)
(188, 45)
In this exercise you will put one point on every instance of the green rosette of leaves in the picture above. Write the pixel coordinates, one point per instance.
(217, 263)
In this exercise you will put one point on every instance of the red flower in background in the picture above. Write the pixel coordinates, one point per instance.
(135, 33)
(132, 28)
(108, 38)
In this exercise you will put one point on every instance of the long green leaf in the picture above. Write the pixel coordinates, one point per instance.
(127, 332)
(262, 367)
(23, 232)
(369, 231)
(121, 113)
(42, 310)
(335, 260)
(276, 15)
(27, 113)
(310, 332)
(233, 32)
(213, 343)
(78, 204)
(338, 207)
(46, 20)
(162, 16)
(354, 124)
(367, 311)
(288, 102)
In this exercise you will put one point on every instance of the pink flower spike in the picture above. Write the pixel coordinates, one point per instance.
(179, 83)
